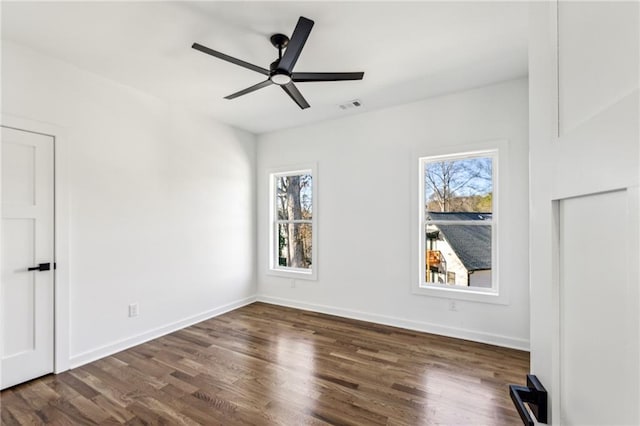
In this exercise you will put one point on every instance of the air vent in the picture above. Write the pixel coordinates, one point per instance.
(356, 103)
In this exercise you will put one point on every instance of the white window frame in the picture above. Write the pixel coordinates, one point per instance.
(274, 267)
(496, 294)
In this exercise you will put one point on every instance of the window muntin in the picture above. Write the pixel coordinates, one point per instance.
(292, 222)
(458, 222)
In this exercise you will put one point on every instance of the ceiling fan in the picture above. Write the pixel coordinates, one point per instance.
(281, 70)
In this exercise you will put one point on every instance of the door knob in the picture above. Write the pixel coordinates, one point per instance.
(40, 267)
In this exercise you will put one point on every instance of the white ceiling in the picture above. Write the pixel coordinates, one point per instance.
(408, 51)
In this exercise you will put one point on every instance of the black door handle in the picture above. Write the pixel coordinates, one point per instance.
(535, 395)
(41, 267)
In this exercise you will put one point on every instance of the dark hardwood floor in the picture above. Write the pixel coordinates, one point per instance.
(264, 364)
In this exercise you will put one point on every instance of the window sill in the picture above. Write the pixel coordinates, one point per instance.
(293, 274)
(447, 292)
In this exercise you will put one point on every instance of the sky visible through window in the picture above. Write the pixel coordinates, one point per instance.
(463, 185)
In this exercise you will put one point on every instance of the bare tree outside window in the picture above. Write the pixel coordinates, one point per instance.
(463, 185)
(294, 220)
(458, 220)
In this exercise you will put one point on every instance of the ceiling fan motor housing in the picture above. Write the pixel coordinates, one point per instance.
(280, 77)
(277, 75)
(274, 66)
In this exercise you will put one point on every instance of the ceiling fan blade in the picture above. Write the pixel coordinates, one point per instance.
(302, 77)
(295, 94)
(231, 59)
(250, 89)
(296, 43)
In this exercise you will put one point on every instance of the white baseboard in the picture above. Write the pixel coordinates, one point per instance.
(120, 345)
(459, 333)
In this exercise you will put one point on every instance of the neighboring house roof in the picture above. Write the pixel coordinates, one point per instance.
(459, 216)
(472, 243)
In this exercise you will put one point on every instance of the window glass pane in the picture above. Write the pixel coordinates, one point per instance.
(463, 185)
(458, 255)
(294, 197)
(294, 245)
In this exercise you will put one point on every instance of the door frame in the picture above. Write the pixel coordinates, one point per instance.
(61, 231)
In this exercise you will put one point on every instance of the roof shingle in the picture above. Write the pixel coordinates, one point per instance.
(471, 243)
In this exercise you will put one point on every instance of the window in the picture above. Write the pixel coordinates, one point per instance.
(292, 223)
(458, 222)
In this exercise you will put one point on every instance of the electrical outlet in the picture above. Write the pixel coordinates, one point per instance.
(133, 310)
(452, 305)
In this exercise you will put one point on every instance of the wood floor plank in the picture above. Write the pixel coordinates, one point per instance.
(269, 365)
(120, 414)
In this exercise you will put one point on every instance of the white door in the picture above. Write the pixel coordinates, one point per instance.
(27, 242)
(585, 233)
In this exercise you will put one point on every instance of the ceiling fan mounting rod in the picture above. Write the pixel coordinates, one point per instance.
(279, 41)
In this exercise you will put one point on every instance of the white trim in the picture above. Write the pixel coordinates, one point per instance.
(425, 327)
(498, 150)
(120, 345)
(61, 228)
(272, 268)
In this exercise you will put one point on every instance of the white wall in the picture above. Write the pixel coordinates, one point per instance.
(366, 166)
(161, 203)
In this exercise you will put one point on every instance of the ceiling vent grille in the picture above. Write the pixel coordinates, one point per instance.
(356, 103)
